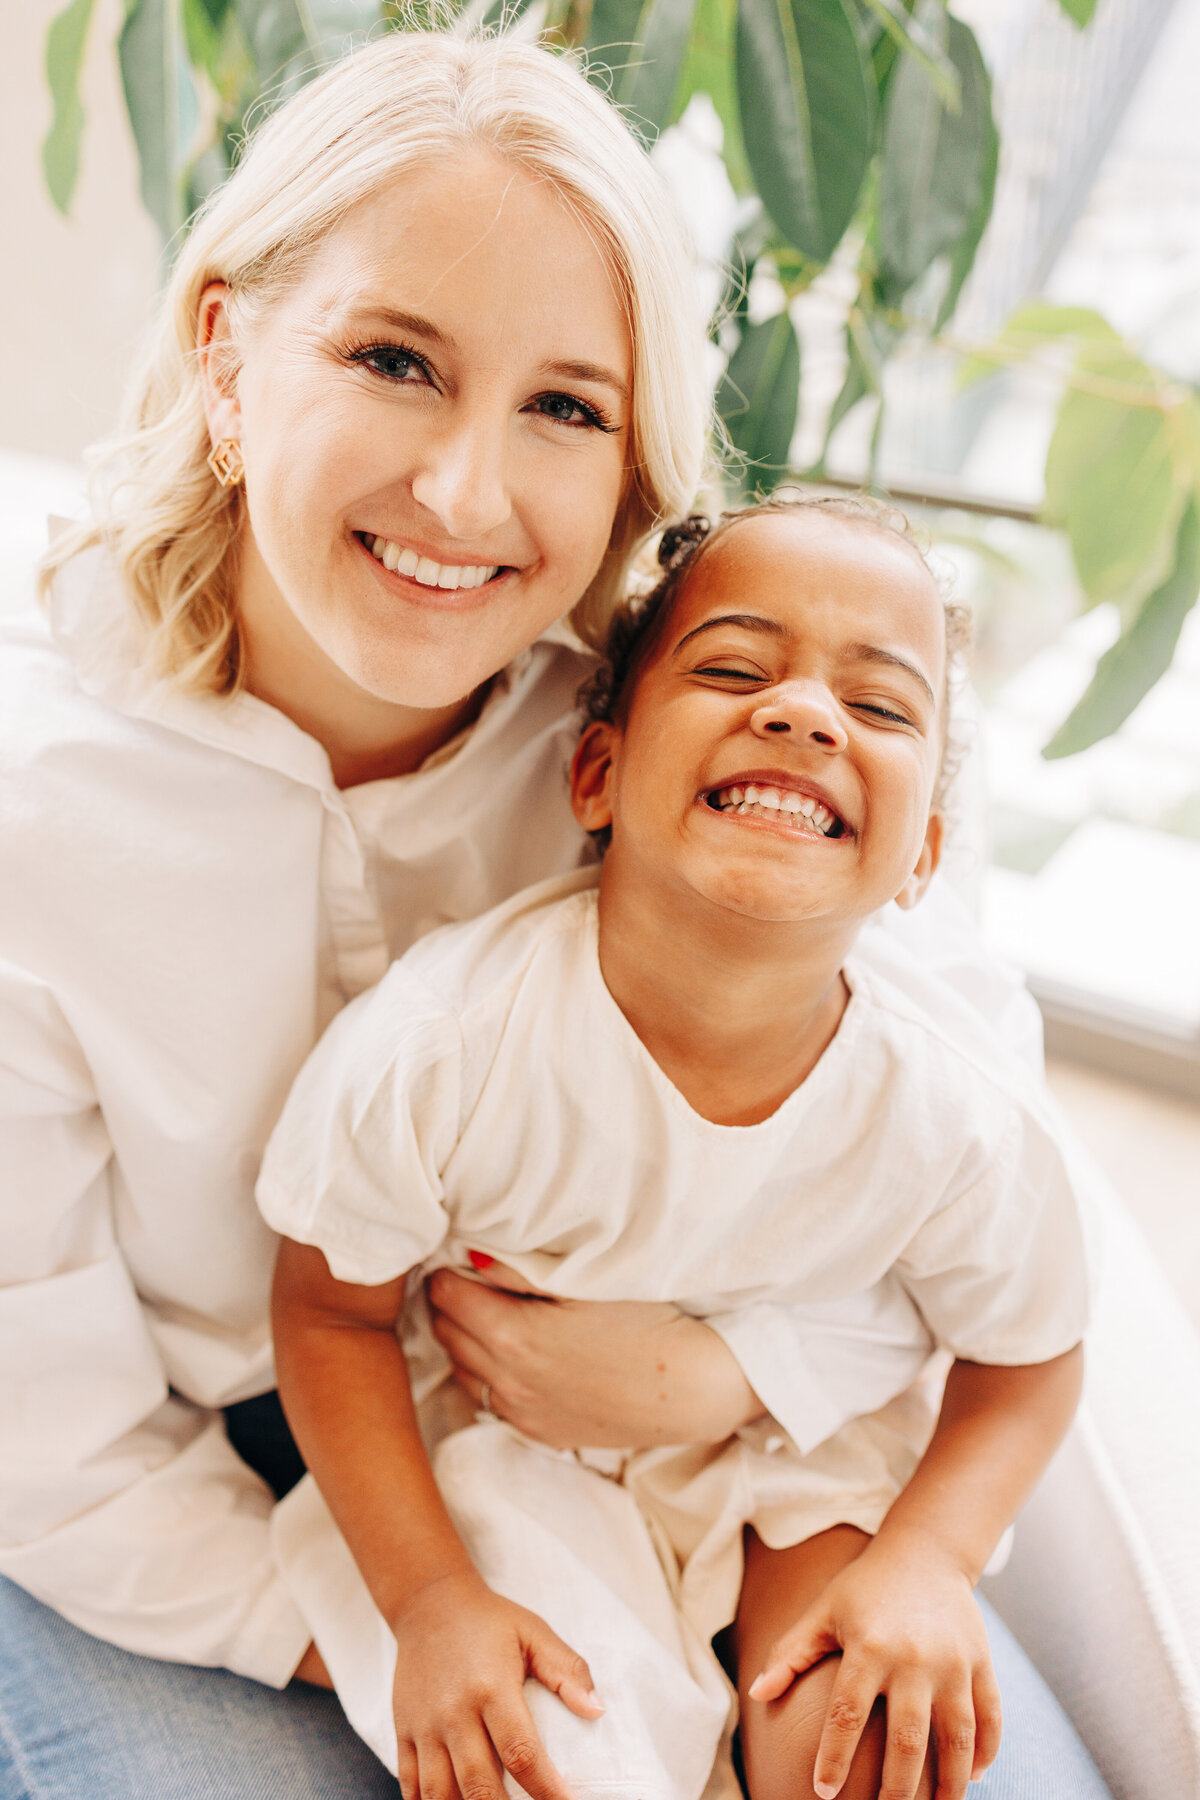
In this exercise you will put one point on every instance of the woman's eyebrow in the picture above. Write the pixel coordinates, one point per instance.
(743, 621)
(587, 371)
(412, 323)
(876, 654)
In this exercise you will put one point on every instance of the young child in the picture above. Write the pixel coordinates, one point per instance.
(688, 1079)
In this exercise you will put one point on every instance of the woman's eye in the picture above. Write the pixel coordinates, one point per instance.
(393, 362)
(566, 410)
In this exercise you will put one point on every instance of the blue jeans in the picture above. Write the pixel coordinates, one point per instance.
(81, 1720)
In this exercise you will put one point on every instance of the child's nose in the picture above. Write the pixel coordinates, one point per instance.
(801, 709)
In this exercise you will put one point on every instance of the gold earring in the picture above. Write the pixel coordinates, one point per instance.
(225, 461)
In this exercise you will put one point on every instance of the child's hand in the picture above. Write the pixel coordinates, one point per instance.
(905, 1619)
(463, 1657)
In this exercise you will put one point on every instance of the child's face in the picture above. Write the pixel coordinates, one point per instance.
(805, 659)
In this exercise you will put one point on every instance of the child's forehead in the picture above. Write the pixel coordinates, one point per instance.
(815, 571)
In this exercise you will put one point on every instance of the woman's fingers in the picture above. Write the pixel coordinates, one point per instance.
(908, 1712)
(954, 1742)
(988, 1718)
(499, 1275)
(851, 1698)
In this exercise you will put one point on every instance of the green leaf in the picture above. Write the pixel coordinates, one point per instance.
(1113, 484)
(1033, 327)
(758, 399)
(66, 44)
(908, 33)
(1126, 673)
(1079, 11)
(708, 68)
(640, 46)
(938, 171)
(807, 106)
(160, 95)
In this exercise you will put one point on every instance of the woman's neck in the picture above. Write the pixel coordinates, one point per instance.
(735, 1011)
(366, 738)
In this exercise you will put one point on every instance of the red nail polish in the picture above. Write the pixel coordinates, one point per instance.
(479, 1259)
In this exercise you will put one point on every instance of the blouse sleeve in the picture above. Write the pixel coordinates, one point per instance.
(1002, 1272)
(121, 1506)
(354, 1165)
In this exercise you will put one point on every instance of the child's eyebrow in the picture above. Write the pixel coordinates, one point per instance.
(746, 621)
(874, 653)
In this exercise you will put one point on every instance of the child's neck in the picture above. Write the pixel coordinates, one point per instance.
(735, 1011)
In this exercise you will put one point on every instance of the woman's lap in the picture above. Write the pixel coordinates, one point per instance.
(81, 1720)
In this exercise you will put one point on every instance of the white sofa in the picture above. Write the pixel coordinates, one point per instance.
(1103, 1586)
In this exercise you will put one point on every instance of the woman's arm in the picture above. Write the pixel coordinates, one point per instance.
(463, 1652)
(903, 1613)
(602, 1373)
(122, 1506)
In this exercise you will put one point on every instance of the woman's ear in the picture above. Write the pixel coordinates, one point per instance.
(927, 862)
(214, 351)
(592, 768)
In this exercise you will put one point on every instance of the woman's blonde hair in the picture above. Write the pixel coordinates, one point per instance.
(398, 102)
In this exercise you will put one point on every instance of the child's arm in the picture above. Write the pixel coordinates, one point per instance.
(903, 1613)
(463, 1652)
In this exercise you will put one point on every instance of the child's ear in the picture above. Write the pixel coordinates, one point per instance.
(591, 776)
(927, 862)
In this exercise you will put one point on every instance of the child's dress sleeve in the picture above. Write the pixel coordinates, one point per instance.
(1002, 1271)
(354, 1165)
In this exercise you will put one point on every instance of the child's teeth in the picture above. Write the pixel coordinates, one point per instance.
(790, 803)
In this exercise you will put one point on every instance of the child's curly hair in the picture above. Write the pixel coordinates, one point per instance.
(638, 624)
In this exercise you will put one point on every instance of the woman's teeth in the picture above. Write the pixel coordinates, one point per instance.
(424, 569)
(755, 801)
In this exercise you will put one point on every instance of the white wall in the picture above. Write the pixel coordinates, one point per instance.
(75, 291)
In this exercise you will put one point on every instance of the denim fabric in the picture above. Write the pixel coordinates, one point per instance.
(81, 1720)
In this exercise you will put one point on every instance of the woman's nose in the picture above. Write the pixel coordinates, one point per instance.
(803, 709)
(463, 481)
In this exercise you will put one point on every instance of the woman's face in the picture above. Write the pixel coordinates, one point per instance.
(435, 426)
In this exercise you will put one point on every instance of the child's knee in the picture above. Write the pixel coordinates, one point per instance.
(780, 1741)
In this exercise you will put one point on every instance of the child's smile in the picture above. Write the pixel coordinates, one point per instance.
(774, 796)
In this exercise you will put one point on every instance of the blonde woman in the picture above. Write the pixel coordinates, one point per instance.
(426, 372)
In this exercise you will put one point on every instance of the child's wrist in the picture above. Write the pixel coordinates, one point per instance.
(417, 1592)
(912, 1541)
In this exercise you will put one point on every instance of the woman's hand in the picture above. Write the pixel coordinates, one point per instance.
(904, 1617)
(610, 1374)
(463, 1656)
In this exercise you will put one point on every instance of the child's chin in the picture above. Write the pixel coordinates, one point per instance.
(766, 899)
